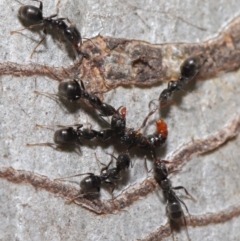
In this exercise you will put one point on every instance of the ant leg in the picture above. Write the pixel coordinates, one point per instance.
(111, 155)
(44, 126)
(77, 175)
(56, 147)
(50, 95)
(91, 42)
(52, 145)
(51, 72)
(183, 203)
(146, 119)
(187, 193)
(30, 27)
(60, 126)
(105, 168)
(152, 101)
(45, 33)
(79, 126)
(40, 4)
(114, 185)
(57, 6)
(185, 225)
(99, 160)
(145, 164)
(72, 200)
(69, 21)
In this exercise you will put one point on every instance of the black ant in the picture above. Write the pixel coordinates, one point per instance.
(189, 69)
(91, 184)
(173, 208)
(34, 16)
(71, 136)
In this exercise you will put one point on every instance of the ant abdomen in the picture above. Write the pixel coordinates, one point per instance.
(30, 14)
(174, 211)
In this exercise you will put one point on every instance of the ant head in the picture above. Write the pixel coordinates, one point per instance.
(162, 128)
(191, 66)
(70, 90)
(30, 14)
(90, 183)
(65, 136)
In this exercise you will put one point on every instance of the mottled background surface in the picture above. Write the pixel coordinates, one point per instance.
(30, 214)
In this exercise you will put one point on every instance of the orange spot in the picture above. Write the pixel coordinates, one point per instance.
(162, 128)
(123, 111)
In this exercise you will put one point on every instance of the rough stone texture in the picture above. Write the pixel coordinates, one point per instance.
(28, 213)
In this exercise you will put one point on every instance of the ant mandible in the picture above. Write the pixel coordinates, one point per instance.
(33, 15)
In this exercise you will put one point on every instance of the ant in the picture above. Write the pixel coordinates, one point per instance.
(189, 69)
(91, 184)
(34, 16)
(71, 136)
(173, 208)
